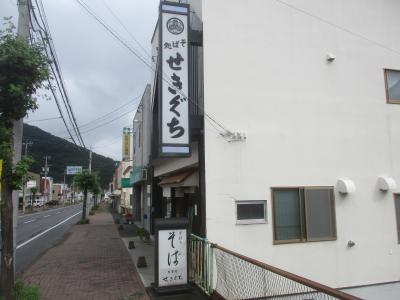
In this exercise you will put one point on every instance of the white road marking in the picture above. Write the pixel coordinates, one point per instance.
(29, 221)
(47, 230)
(59, 212)
(42, 212)
(46, 216)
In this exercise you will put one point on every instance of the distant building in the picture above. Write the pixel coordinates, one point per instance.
(46, 187)
(59, 191)
(33, 182)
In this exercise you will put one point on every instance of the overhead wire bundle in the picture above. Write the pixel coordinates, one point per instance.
(221, 129)
(40, 33)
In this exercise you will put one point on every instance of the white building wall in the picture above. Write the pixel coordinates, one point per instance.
(308, 123)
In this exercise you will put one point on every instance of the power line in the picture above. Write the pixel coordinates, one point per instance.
(338, 26)
(126, 29)
(39, 32)
(45, 37)
(148, 54)
(108, 122)
(56, 98)
(46, 46)
(59, 72)
(108, 115)
(41, 120)
(143, 60)
(109, 144)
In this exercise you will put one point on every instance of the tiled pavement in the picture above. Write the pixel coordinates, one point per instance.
(91, 263)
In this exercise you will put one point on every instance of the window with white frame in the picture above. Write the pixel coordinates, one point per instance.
(397, 210)
(251, 212)
(303, 214)
(392, 81)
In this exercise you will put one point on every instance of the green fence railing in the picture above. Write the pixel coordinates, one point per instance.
(201, 263)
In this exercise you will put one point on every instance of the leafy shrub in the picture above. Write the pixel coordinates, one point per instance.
(91, 213)
(143, 233)
(26, 292)
(83, 222)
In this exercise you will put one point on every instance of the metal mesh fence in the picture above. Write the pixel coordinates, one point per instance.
(241, 278)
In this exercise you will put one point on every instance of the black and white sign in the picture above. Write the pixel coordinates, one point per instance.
(175, 83)
(172, 253)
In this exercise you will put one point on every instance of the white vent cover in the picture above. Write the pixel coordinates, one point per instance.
(345, 186)
(386, 183)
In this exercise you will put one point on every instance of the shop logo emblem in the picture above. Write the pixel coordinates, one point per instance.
(175, 26)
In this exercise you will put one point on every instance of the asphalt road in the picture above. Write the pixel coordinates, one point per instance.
(39, 231)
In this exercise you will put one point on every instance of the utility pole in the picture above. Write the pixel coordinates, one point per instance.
(11, 209)
(46, 171)
(26, 144)
(90, 160)
(64, 189)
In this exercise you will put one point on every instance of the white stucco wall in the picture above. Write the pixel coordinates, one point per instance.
(308, 123)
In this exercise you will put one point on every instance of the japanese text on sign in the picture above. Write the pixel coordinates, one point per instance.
(172, 257)
(175, 104)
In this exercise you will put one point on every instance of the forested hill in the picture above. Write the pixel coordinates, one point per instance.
(64, 153)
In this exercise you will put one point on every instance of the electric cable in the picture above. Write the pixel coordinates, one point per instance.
(337, 26)
(42, 120)
(101, 118)
(58, 72)
(35, 32)
(108, 122)
(126, 45)
(126, 29)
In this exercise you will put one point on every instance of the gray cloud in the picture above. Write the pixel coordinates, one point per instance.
(100, 74)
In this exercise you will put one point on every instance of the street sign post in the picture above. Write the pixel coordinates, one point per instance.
(73, 170)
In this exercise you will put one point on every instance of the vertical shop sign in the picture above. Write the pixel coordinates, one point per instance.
(175, 80)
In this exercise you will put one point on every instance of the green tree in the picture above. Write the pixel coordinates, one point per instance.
(86, 182)
(96, 191)
(34, 191)
(23, 70)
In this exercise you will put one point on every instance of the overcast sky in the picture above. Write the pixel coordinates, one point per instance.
(100, 74)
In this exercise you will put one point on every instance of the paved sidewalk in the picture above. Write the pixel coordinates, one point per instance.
(91, 263)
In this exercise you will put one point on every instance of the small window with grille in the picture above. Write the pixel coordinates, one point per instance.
(251, 212)
(303, 214)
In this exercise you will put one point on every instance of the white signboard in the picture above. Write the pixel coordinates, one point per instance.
(31, 184)
(172, 253)
(73, 170)
(175, 83)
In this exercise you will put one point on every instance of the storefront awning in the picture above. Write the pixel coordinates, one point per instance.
(176, 178)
